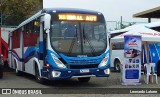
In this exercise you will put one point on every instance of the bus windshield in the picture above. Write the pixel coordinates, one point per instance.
(78, 38)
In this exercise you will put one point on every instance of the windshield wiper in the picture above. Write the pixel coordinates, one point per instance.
(85, 37)
(73, 42)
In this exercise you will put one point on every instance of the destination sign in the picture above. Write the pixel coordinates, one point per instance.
(78, 17)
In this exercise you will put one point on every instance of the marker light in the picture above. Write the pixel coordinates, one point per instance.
(47, 65)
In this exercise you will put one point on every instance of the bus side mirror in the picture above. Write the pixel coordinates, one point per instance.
(47, 21)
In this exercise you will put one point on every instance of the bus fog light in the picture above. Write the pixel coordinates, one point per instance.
(107, 71)
(56, 73)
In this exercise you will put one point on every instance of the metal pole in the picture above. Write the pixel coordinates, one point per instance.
(149, 20)
(121, 23)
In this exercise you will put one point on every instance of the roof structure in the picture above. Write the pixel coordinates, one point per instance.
(151, 13)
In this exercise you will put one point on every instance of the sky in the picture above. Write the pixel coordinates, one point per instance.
(112, 9)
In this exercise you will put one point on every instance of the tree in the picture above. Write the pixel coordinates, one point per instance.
(16, 11)
(127, 25)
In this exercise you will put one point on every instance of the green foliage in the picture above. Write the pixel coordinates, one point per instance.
(16, 11)
(127, 25)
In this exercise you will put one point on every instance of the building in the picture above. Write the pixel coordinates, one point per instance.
(151, 13)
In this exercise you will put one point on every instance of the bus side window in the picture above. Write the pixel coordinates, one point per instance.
(118, 46)
(122, 45)
(113, 47)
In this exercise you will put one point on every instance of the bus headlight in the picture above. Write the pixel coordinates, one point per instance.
(104, 61)
(58, 62)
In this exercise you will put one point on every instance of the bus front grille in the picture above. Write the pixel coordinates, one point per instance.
(82, 66)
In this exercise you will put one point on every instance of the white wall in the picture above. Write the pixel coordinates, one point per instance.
(4, 33)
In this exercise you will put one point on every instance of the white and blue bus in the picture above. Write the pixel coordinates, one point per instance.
(60, 43)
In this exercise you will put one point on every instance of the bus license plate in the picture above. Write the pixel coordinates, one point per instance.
(84, 70)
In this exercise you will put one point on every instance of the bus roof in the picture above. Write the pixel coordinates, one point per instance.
(30, 19)
(70, 10)
(61, 10)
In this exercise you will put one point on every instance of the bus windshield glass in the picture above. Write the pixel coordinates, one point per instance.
(78, 38)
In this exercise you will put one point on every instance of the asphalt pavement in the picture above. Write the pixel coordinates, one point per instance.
(74, 88)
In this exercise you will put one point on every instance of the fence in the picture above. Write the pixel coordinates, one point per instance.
(115, 25)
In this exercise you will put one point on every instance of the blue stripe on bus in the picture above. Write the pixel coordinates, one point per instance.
(29, 53)
(77, 60)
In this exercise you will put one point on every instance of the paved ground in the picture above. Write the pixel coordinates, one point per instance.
(10, 80)
(72, 86)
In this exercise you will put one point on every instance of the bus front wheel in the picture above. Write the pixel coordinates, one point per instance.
(84, 79)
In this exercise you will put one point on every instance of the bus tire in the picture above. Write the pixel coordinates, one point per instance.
(158, 68)
(84, 79)
(18, 73)
(117, 66)
(1, 71)
(37, 76)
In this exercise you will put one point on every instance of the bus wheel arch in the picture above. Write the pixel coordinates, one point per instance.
(15, 63)
(18, 72)
(36, 65)
(117, 65)
(38, 76)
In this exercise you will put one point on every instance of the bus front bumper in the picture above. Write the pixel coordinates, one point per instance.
(72, 73)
